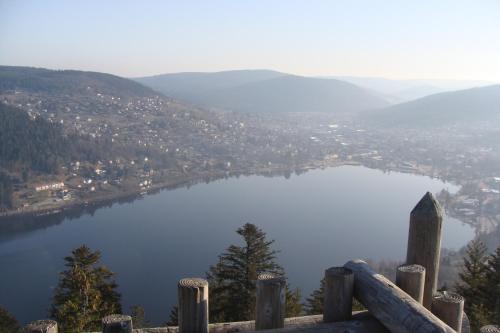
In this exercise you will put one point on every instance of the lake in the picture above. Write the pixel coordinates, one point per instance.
(319, 219)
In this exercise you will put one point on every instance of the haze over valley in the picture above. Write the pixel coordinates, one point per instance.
(141, 144)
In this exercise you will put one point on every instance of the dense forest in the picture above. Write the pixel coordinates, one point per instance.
(29, 143)
(5, 191)
(37, 144)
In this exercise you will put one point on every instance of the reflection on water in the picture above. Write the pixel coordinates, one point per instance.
(318, 219)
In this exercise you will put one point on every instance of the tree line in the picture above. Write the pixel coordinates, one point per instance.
(87, 290)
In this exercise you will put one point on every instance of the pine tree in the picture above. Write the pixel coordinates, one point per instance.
(314, 303)
(173, 319)
(86, 292)
(8, 324)
(492, 287)
(232, 279)
(472, 280)
(293, 302)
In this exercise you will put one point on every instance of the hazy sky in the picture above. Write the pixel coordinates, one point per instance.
(450, 39)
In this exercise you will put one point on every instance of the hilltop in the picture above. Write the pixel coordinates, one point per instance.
(265, 92)
(399, 91)
(195, 87)
(463, 106)
(72, 82)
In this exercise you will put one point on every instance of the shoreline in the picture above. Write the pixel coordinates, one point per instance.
(103, 200)
(88, 206)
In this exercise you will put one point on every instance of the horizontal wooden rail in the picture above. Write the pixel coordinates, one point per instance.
(394, 308)
(361, 322)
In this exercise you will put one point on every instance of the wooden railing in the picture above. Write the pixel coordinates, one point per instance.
(410, 305)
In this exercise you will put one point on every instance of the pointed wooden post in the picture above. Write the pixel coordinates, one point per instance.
(193, 305)
(339, 286)
(42, 326)
(411, 279)
(270, 302)
(449, 307)
(117, 323)
(490, 329)
(424, 242)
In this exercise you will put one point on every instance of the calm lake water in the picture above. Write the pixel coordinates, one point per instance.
(319, 219)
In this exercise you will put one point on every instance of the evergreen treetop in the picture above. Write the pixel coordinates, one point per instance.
(232, 279)
(86, 292)
(8, 324)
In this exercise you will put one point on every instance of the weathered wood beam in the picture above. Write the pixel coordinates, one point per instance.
(193, 305)
(394, 308)
(361, 322)
(339, 285)
(270, 302)
(490, 329)
(424, 242)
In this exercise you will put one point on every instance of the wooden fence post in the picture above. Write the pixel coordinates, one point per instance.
(339, 285)
(193, 305)
(424, 242)
(41, 326)
(411, 279)
(449, 307)
(270, 302)
(490, 329)
(394, 308)
(117, 323)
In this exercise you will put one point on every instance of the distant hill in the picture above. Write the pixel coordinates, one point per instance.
(399, 91)
(470, 105)
(265, 91)
(40, 80)
(196, 87)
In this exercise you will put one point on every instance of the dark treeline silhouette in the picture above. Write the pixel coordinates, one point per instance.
(5, 191)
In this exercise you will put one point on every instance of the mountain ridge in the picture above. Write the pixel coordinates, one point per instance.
(266, 91)
(468, 105)
(42, 80)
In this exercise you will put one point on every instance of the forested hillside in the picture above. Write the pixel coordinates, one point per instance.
(40, 80)
(36, 144)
